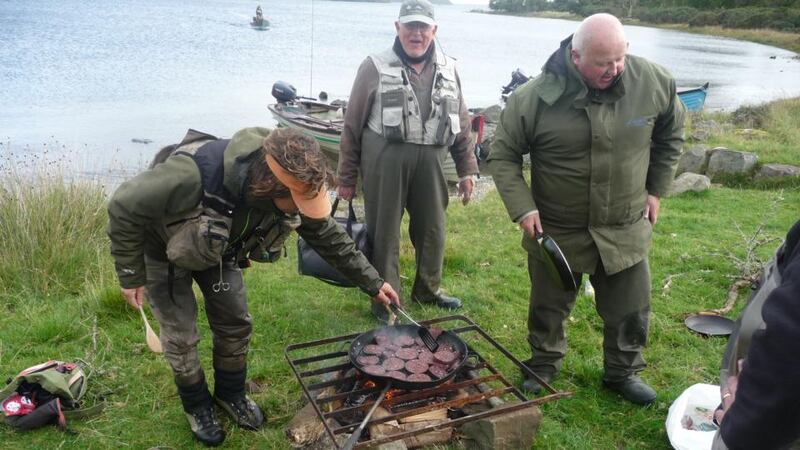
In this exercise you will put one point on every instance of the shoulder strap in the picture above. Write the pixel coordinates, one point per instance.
(210, 160)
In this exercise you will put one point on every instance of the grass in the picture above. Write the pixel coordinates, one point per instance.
(59, 299)
(690, 244)
(768, 130)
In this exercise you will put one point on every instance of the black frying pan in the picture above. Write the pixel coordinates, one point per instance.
(446, 338)
(556, 263)
(710, 324)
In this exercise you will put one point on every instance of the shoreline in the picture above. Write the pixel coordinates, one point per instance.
(779, 39)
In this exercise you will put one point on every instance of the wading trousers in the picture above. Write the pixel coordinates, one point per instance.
(623, 302)
(226, 311)
(402, 177)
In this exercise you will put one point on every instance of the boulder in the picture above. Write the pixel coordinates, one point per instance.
(689, 181)
(730, 162)
(772, 171)
(694, 160)
(510, 431)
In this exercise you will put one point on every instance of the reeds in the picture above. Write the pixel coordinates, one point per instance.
(52, 230)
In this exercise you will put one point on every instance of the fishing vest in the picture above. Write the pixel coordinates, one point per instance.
(395, 113)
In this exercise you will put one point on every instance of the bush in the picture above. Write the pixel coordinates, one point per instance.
(786, 19)
(681, 14)
(590, 9)
(749, 116)
(704, 18)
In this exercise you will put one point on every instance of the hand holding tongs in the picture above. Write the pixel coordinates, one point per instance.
(424, 333)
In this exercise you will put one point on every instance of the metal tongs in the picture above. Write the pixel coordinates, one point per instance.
(424, 333)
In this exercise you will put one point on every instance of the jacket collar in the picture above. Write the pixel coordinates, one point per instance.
(560, 77)
(242, 146)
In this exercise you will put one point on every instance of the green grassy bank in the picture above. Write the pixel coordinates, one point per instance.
(59, 299)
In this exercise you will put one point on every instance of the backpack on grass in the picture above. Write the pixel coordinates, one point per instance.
(45, 393)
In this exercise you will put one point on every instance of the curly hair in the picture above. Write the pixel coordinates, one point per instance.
(298, 154)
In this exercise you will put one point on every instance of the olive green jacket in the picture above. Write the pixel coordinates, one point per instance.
(595, 155)
(140, 206)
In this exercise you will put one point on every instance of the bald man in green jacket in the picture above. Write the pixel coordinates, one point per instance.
(604, 131)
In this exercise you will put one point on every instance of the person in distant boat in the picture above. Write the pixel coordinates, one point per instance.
(604, 131)
(406, 110)
(205, 209)
(259, 18)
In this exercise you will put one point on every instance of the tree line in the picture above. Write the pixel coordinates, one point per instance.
(781, 15)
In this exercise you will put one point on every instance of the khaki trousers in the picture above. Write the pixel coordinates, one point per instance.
(226, 312)
(401, 177)
(622, 301)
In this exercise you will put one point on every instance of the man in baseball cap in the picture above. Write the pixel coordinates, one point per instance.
(405, 115)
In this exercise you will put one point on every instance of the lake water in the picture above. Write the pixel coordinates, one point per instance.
(84, 78)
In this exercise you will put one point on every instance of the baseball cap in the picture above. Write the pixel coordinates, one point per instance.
(416, 11)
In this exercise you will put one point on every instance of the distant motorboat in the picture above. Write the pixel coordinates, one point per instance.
(693, 98)
(259, 24)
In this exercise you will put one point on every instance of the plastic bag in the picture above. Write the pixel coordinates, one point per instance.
(691, 413)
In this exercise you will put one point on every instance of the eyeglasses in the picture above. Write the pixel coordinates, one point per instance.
(417, 26)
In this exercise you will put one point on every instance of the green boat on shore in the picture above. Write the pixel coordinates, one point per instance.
(322, 121)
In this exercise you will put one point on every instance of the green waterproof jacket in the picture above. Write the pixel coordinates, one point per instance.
(595, 155)
(140, 206)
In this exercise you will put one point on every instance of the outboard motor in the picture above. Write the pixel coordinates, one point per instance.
(283, 91)
(518, 78)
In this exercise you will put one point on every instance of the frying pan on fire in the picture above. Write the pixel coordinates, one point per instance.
(446, 339)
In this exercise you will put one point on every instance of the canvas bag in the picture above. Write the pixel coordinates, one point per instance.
(310, 263)
(46, 393)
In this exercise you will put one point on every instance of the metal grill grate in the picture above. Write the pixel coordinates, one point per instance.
(331, 383)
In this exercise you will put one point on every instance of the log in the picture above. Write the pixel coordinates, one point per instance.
(416, 422)
(305, 428)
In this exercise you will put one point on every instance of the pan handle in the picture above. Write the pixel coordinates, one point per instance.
(351, 441)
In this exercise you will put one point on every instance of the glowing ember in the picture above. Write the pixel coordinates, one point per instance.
(393, 393)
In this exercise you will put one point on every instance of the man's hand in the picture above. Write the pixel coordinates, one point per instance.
(387, 296)
(465, 187)
(651, 209)
(531, 224)
(347, 193)
(728, 394)
(727, 399)
(134, 296)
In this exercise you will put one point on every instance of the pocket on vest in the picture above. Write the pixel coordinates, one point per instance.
(199, 242)
(393, 114)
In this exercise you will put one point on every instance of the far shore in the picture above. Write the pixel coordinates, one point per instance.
(780, 39)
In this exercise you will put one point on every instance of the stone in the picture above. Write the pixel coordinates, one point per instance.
(689, 181)
(703, 129)
(731, 162)
(510, 431)
(773, 171)
(693, 160)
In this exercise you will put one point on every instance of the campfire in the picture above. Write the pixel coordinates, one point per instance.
(477, 403)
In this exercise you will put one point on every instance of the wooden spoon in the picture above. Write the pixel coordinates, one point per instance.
(150, 336)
